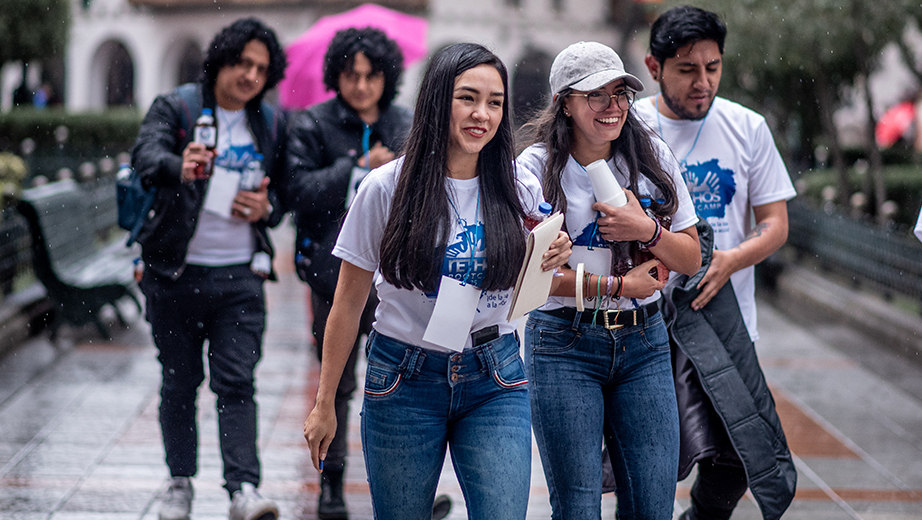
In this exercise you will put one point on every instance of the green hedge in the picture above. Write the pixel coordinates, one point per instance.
(89, 134)
(904, 186)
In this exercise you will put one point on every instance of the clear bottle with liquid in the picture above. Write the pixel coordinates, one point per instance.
(205, 133)
(544, 211)
(124, 171)
(253, 174)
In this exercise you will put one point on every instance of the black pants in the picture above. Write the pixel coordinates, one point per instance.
(336, 454)
(719, 486)
(226, 306)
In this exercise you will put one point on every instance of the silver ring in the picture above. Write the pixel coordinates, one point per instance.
(247, 211)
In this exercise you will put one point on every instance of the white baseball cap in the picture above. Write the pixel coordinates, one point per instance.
(588, 66)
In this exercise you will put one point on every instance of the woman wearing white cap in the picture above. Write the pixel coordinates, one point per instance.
(597, 352)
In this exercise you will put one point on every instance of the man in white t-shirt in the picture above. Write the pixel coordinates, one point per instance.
(737, 182)
(207, 253)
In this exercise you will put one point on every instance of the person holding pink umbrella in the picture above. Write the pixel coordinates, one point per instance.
(331, 147)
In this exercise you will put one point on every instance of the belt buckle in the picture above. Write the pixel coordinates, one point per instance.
(614, 324)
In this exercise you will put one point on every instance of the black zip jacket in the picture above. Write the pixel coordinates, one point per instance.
(324, 144)
(157, 157)
(716, 365)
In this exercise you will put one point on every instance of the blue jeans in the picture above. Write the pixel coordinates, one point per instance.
(475, 403)
(588, 381)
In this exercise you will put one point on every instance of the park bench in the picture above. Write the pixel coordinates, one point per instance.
(77, 252)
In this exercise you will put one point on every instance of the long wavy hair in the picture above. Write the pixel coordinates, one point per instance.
(419, 223)
(554, 130)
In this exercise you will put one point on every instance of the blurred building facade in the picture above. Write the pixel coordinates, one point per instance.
(125, 52)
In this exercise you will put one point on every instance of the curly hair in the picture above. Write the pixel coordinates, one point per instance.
(227, 46)
(682, 25)
(383, 53)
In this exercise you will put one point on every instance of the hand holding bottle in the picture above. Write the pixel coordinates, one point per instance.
(193, 156)
(624, 224)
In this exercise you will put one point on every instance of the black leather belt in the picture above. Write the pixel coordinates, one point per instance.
(610, 319)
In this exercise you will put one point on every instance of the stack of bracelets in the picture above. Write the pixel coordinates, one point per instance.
(584, 287)
(658, 234)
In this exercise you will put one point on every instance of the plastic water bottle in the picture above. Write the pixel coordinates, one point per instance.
(124, 171)
(138, 266)
(205, 133)
(544, 210)
(253, 174)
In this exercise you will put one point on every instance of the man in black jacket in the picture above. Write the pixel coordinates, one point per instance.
(206, 260)
(331, 146)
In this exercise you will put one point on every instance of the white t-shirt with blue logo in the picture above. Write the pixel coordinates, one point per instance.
(220, 240)
(404, 314)
(733, 167)
(589, 247)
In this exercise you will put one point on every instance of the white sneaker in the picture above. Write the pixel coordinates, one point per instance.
(177, 501)
(248, 504)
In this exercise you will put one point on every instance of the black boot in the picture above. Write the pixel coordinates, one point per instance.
(331, 505)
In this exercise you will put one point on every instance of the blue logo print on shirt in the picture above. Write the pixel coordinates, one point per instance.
(458, 258)
(590, 237)
(711, 188)
(236, 157)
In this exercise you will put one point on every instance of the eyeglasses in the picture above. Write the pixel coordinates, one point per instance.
(599, 100)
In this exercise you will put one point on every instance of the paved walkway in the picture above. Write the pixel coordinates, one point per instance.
(79, 437)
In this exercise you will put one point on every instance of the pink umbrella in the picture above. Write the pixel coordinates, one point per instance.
(895, 122)
(303, 83)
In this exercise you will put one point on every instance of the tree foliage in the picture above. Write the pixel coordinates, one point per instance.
(797, 61)
(33, 29)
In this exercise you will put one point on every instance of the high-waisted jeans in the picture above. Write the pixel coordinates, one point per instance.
(420, 401)
(587, 381)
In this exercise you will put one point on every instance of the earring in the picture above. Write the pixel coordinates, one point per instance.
(566, 113)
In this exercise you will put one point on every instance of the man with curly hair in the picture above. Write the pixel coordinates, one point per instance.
(331, 146)
(205, 269)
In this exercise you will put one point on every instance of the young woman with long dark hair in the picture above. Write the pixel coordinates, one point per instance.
(597, 353)
(440, 224)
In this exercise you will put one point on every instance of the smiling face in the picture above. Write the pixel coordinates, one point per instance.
(594, 131)
(476, 113)
(237, 84)
(689, 81)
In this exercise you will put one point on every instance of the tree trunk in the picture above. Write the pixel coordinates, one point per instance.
(863, 59)
(22, 95)
(825, 98)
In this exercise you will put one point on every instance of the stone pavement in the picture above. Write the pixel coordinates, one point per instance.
(79, 437)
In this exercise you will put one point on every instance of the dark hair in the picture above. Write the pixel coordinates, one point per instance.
(227, 46)
(419, 223)
(554, 130)
(682, 25)
(383, 53)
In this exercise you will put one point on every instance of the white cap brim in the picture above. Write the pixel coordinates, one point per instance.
(604, 77)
